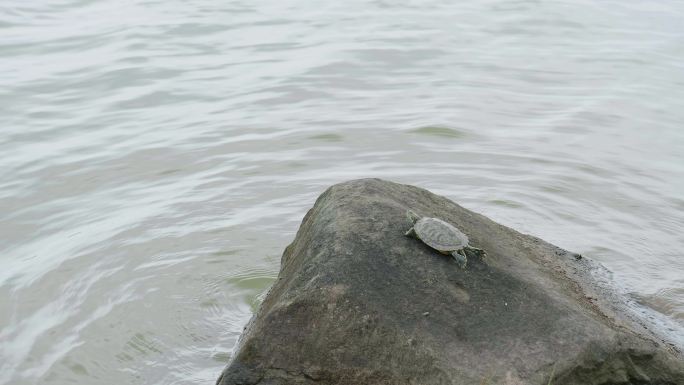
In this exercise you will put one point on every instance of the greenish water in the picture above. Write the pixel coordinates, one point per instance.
(157, 157)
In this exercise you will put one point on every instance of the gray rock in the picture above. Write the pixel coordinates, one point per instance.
(358, 303)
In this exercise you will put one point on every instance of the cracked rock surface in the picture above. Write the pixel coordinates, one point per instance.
(357, 302)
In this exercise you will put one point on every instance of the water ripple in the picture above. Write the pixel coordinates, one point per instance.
(158, 156)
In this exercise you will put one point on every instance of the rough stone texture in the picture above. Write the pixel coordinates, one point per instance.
(357, 302)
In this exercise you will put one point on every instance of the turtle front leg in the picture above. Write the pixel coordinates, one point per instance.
(412, 217)
(411, 232)
(460, 257)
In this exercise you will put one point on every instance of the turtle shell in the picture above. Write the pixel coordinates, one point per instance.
(440, 235)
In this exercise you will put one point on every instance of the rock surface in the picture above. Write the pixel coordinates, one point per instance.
(357, 302)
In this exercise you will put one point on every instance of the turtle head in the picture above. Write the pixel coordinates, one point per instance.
(412, 216)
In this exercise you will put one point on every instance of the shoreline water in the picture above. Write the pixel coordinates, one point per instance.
(158, 156)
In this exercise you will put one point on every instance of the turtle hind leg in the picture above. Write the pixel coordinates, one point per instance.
(460, 257)
(411, 232)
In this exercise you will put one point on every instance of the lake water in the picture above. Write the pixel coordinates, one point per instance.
(158, 156)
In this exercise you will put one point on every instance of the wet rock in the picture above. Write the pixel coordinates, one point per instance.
(357, 302)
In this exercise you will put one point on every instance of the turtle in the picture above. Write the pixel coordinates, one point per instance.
(442, 236)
